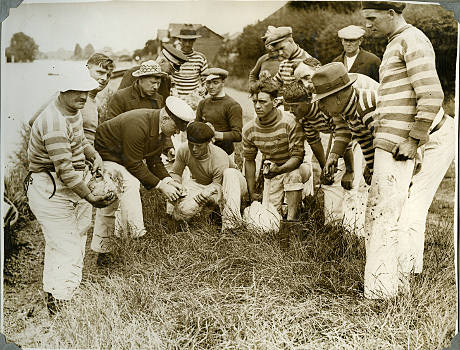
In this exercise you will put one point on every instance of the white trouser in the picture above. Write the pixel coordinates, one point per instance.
(347, 206)
(233, 188)
(439, 153)
(291, 181)
(64, 220)
(387, 195)
(130, 220)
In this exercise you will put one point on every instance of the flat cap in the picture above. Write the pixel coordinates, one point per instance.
(173, 55)
(351, 32)
(213, 73)
(199, 132)
(179, 111)
(278, 34)
(383, 5)
(269, 31)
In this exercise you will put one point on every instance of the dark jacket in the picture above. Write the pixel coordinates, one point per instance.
(131, 98)
(131, 137)
(366, 63)
(165, 86)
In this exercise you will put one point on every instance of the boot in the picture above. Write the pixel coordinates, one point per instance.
(103, 259)
(288, 230)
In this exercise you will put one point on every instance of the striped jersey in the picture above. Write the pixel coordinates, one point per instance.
(285, 73)
(57, 143)
(359, 116)
(315, 121)
(278, 141)
(188, 78)
(410, 93)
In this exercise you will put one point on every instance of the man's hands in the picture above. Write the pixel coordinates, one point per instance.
(98, 164)
(171, 155)
(273, 171)
(101, 201)
(170, 188)
(327, 175)
(367, 175)
(405, 150)
(347, 180)
(203, 197)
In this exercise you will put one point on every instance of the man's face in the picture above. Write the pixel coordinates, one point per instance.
(74, 99)
(351, 46)
(299, 109)
(167, 125)
(101, 75)
(186, 45)
(198, 150)
(166, 66)
(263, 104)
(331, 105)
(214, 86)
(377, 21)
(149, 84)
(285, 48)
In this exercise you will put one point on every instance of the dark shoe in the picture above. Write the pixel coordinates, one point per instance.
(103, 259)
(53, 305)
(288, 229)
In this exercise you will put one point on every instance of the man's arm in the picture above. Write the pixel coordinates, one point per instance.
(250, 175)
(255, 71)
(199, 111)
(42, 108)
(318, 151)
(179, 164)
(115, 106)
(235, 120)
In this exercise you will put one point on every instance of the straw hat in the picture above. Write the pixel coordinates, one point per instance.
(148, 68)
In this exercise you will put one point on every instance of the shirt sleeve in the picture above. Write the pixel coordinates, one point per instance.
(179, 162)
(133, 154)
(249, 148)
(235, 120)
(342, 135)
(255, 71)
(421, 72)
(56, 139)
(296, 141)
(199, 112)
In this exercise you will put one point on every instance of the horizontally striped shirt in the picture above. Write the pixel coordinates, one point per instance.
(285, 73)
(188, 78)
(315, 121)
(359, 116)
(410, 93)
(278, 141)
(57, 143)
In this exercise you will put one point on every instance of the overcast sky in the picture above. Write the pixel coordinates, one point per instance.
(122, 24)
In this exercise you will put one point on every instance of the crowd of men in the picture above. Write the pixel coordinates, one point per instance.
(389, 147)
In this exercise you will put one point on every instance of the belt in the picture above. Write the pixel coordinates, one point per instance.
(439, 125)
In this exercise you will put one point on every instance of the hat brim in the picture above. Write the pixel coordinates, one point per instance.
(138, 74)
(188, 36)
(214, 76)
(317, 97)
(279, 39)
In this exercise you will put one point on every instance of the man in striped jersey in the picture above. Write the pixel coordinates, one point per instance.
(58, 195)
(281, 40)
(279, 138)
(189, 78)
(408, 110)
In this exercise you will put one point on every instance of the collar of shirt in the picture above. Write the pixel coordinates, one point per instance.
(297, 53)
(350, 108)
(399, 31)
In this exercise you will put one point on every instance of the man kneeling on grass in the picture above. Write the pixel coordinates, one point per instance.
(215, 178)
(279, 138)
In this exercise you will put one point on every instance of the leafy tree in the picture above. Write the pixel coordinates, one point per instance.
(77, 52)
(88, 51)
(150, 47)
(23, 48)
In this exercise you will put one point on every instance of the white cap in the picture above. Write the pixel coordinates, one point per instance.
(351, 32)
(180, 108)
(77, 78)
(303, 70)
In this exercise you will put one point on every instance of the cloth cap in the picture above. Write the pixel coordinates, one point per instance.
(329, 79)
(297, 91)
(173, 55)
(188, 32)
(199, 132)
(351, 32)
(270, 30)
(148, 68)
(383, 5)
(213, 73)
(179, 111)
(278, 34)
(78, 79)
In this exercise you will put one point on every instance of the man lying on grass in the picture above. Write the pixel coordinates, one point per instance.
(279, 138)
(215, 178)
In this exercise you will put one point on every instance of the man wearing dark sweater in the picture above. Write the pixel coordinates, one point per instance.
(221, 111)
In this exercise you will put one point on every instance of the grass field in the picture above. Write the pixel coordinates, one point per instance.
(190, 287)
